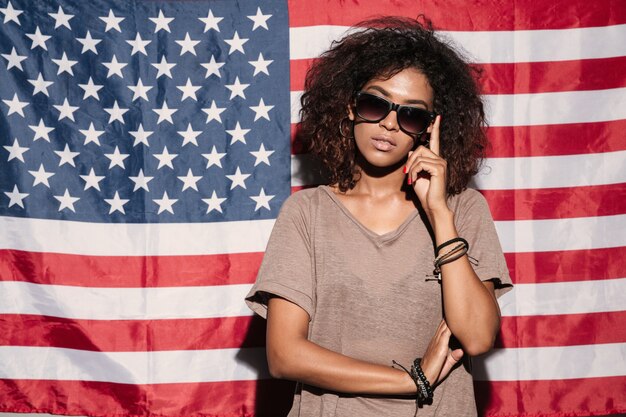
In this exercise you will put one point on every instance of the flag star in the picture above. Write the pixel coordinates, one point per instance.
(165, 158)
(260, 65)
(238, 134)
(190, 135)
(91, 134)
(164, 68)
(16, 151)
(15, 197)
(67, 156)
(260, 19)
(236, 43)
(67, 201)
(165, 203)
(41, 176)
(140, 135)
(92, 180)
(38, 39)
(213, 112)
(262, 200)
(214, 158)
(41, 85)
(15, 105)
(189, 90)
(117, 158)
(116, 203)
(65, 65)
(211, 67)
(61, 18)
(11, 14)
(237, 89)
(262, 110)
(116, 113)
(13, 59)
(139, 45)
(41, 131)
(211, 22)
(238, 179)
(262, 156)
(187, 45)
(66, 110)
(140, 90)
(115, 67)
(214, 203)
(189, 180)
(141, 181)
(91, 89)
(165, 113)
(112, 22)
(162, 22)
(89, 43)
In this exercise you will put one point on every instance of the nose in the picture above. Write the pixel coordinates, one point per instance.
(390, 122)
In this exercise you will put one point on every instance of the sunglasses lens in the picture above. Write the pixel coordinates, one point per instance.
(413, 120)
(371, 108)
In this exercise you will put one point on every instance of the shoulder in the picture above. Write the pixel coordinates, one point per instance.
(468, 199)
(303, 203)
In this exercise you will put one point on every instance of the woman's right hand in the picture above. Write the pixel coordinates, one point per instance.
(439, 359)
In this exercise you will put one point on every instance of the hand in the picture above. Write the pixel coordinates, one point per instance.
(439, 360)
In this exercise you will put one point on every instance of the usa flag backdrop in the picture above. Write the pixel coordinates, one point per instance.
(146, 152)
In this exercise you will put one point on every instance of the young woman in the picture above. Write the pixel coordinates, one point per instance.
(347, 283)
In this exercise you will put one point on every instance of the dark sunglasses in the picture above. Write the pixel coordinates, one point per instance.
(412, 120)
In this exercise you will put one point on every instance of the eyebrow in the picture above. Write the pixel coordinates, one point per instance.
(386, 94)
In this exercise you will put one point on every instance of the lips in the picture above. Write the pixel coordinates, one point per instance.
(383, 143)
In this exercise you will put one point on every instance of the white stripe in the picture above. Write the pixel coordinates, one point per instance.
(41, 235)
(123, 303)
(22, 362)
(547, 363)
(492, 46)
(576, 297)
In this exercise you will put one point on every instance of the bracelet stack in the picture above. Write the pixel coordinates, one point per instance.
(452, 255)
(424, 389)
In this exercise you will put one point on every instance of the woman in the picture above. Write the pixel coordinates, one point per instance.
(347, 282)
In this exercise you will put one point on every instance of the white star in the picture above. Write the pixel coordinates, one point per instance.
(260, 65)
(115, 67)
(238, 179)
(189, 180)
(140, 90)
(116, 113)
(67, 156)
(89, 43)
(260, 19)
(16, 151)
(38, 39)
(165, 113)
(66, 200)
(92, 180)
(164, 68)
(11, 14)
(14, 60)
(41, 85)
(165, 158)
(141, 181)
(91, 134)
(210, 22)
(262, 156)
(238, 134)
(162, 22)
(190, 135)
(91, 89)
(187, 45)
(15, 197)
(116, 203)
(214, 158)
(41, 131)
(66, 110)
(213, 112)
(262, 110)
(214, 203)
(237, 89)
(65, 65)
(61, 19)
(140, 135)
(262, 200)
(189, 90)
(212, 67)
(112, 22)
(117, 158)
(236, 43)
(15, 105)
(139, 45)
(165, 203)
(41, 176)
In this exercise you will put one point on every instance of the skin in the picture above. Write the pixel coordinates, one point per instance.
(379, 201)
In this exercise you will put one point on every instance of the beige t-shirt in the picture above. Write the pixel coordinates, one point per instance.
(370, 296)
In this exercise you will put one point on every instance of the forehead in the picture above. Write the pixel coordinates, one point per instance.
(408, 84)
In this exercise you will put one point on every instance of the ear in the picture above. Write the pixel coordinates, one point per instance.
(351, 115)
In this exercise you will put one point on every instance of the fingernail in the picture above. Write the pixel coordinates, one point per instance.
(404, 169)
(409, 180)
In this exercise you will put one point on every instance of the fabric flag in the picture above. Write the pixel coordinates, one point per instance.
(146, 152)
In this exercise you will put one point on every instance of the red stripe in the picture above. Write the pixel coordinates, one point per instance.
(571, 397)
(483, 15)
(223, 399)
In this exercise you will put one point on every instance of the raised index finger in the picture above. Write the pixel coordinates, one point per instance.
(434, 135)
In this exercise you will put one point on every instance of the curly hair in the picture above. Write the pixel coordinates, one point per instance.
(380, 48)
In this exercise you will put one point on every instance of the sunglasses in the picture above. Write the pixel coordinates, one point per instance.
(412, 120)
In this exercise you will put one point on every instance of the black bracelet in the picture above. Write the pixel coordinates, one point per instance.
(421, 381)
(449, 242)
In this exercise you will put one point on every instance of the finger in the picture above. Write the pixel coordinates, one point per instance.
(434, 136)
(432, 167)
(452, 359)
(424, 151)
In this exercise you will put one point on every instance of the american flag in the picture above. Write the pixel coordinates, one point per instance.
(146, 151)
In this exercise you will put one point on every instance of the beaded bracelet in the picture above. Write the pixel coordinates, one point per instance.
(424, 390)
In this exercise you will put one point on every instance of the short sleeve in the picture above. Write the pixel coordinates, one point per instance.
(475, 224)
(286, 269)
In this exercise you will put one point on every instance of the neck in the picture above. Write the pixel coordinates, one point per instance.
(380, 181)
